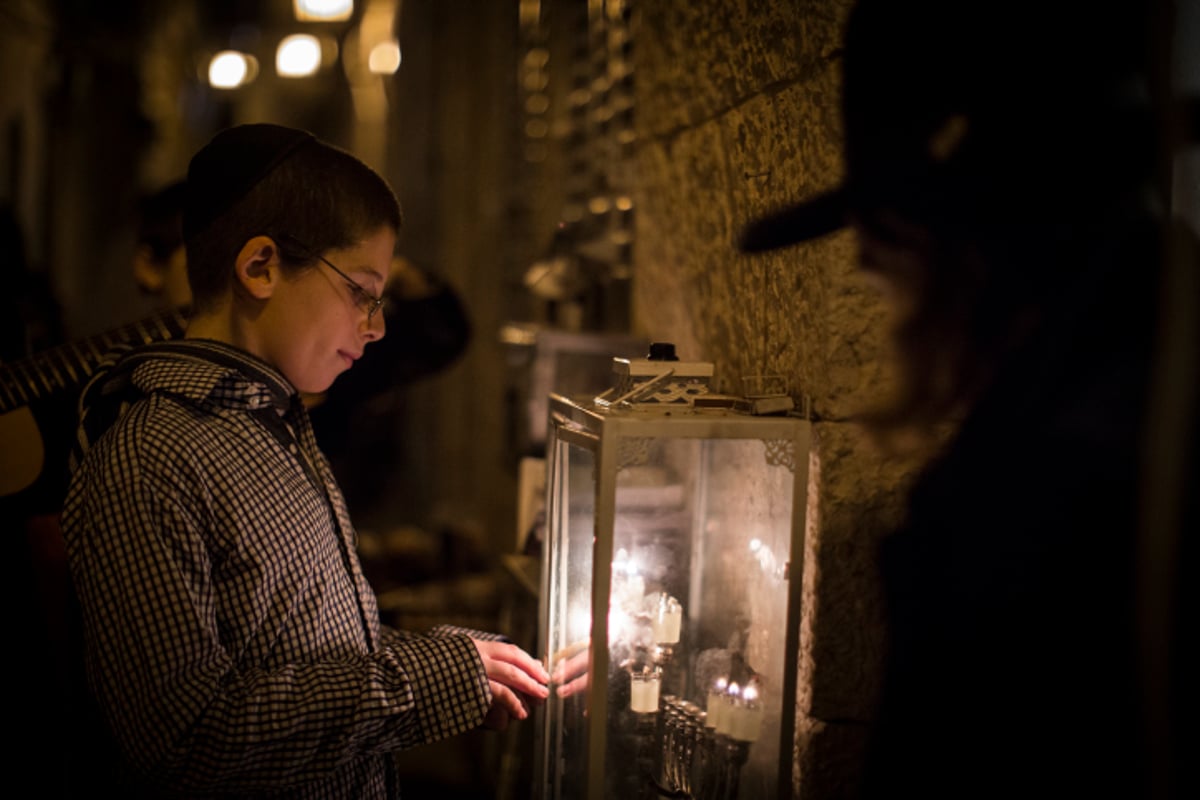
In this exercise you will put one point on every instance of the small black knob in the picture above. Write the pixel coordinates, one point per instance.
(662, 351)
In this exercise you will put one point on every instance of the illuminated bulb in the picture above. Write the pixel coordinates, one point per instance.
(621, 561)
(298, 56)
(384, 58)
(323, 10)
(228, 70)
(746, 717)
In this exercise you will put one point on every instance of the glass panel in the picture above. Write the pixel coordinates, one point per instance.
(571, 528)
(701, 542)
(741, 582)
(652, 533)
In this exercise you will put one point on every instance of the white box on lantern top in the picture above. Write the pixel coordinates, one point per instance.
(658, 381)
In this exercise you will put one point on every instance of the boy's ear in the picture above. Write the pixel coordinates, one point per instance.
(257, 269)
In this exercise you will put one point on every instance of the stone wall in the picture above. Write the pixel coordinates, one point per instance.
(737, 112)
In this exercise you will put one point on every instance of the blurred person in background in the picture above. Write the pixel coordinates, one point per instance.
(1002, 179)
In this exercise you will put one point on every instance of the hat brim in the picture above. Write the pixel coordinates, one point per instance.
(823, 214)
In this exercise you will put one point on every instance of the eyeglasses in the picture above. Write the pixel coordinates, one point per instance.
(362, 298)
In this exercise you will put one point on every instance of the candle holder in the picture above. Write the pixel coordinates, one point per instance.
(671, 725)
(733, 756)
(710, 767)
(682, 735)
(644, 687)
(647, 737)
(694, 732)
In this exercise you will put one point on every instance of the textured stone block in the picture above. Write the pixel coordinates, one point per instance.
(856, 497)
(696, 61)
(827, 759)
(801, 312)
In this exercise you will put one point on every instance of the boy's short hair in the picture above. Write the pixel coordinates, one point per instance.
(271, 180)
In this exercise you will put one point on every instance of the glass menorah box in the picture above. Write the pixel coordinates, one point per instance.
(669, 610)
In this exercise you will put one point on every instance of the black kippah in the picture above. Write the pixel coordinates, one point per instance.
(232, 164)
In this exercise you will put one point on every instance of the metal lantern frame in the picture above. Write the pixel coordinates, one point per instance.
(614, 435)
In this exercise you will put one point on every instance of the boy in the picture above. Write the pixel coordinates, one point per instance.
(232, 643)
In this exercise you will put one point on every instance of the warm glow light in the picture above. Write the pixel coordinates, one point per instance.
(536, 128)
(323, 10)
(579, 624)
(537, 103)
(228, 70)
(298, 56)
(384, 58)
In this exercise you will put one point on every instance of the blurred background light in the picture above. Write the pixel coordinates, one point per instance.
(298, 56)
(230, 69)
(323, 10)
(384, 58)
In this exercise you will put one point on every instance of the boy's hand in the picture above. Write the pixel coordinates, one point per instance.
(515, 677)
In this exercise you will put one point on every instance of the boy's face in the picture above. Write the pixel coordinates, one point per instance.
(316, 325)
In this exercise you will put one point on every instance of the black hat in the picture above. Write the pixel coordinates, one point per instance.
(951, 100)
(230, 165)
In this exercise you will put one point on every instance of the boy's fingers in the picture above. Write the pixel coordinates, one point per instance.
(508, 700)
